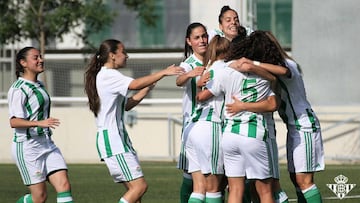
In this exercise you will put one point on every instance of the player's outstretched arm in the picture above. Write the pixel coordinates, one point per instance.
(183, 78)
(145, 81)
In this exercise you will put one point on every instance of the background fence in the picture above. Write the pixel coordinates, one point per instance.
(155, 125)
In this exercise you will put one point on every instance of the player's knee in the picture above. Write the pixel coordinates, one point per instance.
(39, 197)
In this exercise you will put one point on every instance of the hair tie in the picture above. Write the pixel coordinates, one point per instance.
(97, 54)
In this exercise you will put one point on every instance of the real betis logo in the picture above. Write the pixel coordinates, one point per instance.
(341, 189)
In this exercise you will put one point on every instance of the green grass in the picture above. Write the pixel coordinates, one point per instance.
(91, 183)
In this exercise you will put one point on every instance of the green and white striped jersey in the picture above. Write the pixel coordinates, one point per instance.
(247, 88)
(30, 101)
(112, 137)
(294, 108)
(211, 109)
(190, 89)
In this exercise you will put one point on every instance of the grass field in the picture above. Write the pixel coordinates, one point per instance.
(91, 183)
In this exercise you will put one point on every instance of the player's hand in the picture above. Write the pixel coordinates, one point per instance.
(235, 107)
(50, 122)
(174, 70)
(203, 79)
(197, 71)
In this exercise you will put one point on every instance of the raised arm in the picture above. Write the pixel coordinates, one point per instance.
(145, 81)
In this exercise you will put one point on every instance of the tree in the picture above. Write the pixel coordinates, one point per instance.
(45, 20)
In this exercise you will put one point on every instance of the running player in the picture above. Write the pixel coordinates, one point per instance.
(196, 41)
(107, 90)
(37, 157)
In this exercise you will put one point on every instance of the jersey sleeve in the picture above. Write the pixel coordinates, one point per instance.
(119, 83)
(16, 101)
(215, 85)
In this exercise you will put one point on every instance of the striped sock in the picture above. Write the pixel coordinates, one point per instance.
(122, 200)
(196, 198)
(213, 197)
(64, 197)
(312, 194)
(25, 199)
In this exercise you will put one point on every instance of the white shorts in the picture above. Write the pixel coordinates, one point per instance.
(305, 151)
(245, 156)
(183, 162)
(37, 158)
(124, 167)
(203, 147)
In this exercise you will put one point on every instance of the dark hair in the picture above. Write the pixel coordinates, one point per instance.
(97, 61)
(21, 55)
(258, 47)
(282, 51)
(241, 35)
(223, 10)
(217, 48)
(188, 49)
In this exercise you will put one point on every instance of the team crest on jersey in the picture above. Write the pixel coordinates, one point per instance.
(341, 189)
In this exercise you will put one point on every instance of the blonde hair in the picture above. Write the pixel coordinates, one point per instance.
(217, 49)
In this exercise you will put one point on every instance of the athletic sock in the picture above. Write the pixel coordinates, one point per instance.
(213, 197)
(122, 200)
(196, 198)
(300, 196)
(25, 199)
(186, 189)
(312, 194)
(64, 197)
(281, 197)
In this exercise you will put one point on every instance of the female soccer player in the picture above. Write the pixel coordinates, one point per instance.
(196, 42)
(107, 90)
(37, 157)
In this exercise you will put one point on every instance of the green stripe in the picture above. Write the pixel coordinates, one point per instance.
(193, 94)
(107, 143)
(41, 102)
(311, 119)
(235, 127)
(215, 147)
(124, 167)
(197, 113)
(97, 144)
(252, 127)
(308, 146)
(210, 114)
(22, 164)
(126, 140)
